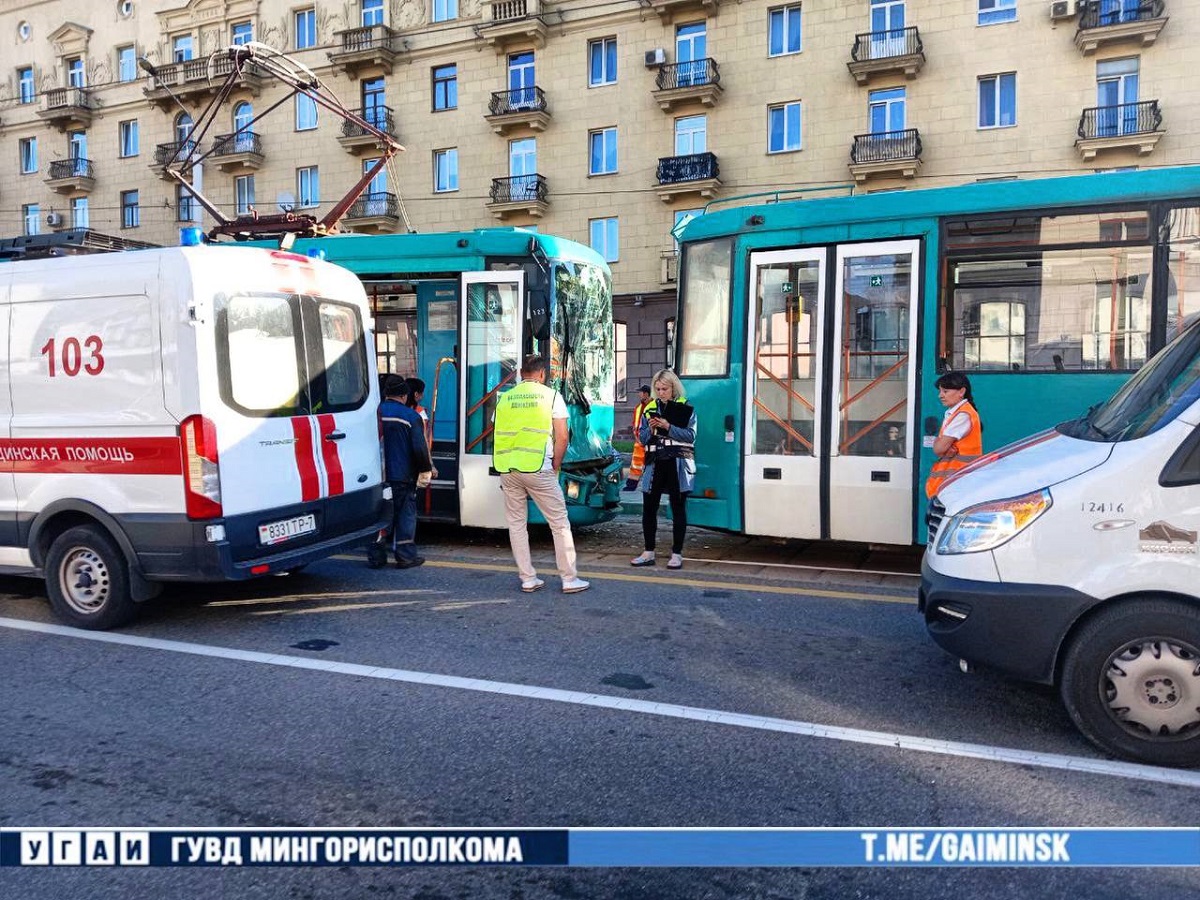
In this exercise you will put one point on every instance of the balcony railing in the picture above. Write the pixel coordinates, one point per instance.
(527, 99)
(63, 107)
(519, 189)
(695, 167)
(1102, 13)
(1122, 119)
(242, 142)
(74, 167)
(507, 10)
(886, 146)
(379, 116)
(375, 206)
(372, 45)
(175, 152)
(887, 44)
(370, 37)
(696, 73)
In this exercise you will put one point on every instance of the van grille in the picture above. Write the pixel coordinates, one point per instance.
(933, 518)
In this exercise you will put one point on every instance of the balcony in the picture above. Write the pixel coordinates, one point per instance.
(520, 194)
(1105, 22)
(68, 109)
(373, 46)
(194, 80)
(698, 81)
(668, 9)
(668, 273)
(68, 176)
(355, 138)
(509, 22)
(894, 153)
(685, 176)
(173, 155)
(377, 213)
(1128, 126)
(896, 52)
(237, 151)
(524, 107)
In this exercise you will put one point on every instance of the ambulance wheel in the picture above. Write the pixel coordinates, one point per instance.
(1131, 681)
(88, 579)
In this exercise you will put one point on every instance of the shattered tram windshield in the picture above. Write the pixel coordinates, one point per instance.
(582, 354)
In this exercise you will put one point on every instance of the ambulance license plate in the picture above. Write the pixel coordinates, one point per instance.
(278, 532)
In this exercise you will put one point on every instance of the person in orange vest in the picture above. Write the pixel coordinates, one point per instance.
(638, 462)
(960, 439)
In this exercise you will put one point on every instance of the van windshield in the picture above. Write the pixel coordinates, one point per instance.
(1160, 391)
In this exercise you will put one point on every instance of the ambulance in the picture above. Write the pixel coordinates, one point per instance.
(186, 414)
(1071, 558)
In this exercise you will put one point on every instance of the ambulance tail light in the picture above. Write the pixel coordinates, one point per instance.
(201, 475)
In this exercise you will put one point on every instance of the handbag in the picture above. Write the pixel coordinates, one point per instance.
(424, 479)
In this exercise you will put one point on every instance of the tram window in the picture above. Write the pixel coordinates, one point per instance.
(704, 338)
(1183, 280)
(1044, 231)
(1057, 310)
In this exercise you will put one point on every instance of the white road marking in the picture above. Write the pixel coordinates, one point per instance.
(1179, 777)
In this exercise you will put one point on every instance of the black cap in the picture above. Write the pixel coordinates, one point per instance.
(644, 389)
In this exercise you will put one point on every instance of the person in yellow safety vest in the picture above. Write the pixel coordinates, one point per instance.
(530, 441)
(960, 439)
(637, 462)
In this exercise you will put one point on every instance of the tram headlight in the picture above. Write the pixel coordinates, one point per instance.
(986, 526)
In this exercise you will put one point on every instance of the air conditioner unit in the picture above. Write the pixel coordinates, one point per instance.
(656, 57)
(1062, 9)
(54, 219)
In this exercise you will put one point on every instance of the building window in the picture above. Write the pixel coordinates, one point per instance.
(131, 216)
(602, 62)
(128, 133)
(522, 81)
(1117, 96)
(691, 135)
(372, 13)
(126, 64)
(79, 213)
(992, 12)
(445, 10)
(31, 215)
(445, 87)
(306, 112)
(25, 84)
(669, 340)
(187, 209)
(886, 110)
(445, 170)
(306, 29)
(241, 33)
(308, 187)
(620, 362)
(603, 238)
(783, 127)
(998, 100)
(783, 31)
(75, 74)
(602, 155)
(181, 48)
(997, 340)
(29, 156)
(243, 188)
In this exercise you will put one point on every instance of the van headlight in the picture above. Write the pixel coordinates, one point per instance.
(988, 525)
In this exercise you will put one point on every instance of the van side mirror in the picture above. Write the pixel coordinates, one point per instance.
(931, 425)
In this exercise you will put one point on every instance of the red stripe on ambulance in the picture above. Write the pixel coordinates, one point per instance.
(329, 454)
(91, 456)
(310, 485)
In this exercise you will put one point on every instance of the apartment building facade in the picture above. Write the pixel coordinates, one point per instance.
(606, 122)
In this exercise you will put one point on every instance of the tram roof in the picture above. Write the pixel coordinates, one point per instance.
(982, 198)
(444, 251)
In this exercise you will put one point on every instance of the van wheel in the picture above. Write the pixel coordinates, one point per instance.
(1131, 682)
(88, 580)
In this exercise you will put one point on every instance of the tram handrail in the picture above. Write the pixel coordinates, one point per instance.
(489, 428)
(786, 426)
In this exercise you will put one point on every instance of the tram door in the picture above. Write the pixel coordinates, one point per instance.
(490, 357)
(829, 446)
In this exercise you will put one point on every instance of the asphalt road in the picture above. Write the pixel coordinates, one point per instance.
(188, 734)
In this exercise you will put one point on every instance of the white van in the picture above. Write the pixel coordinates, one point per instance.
(183, 414)
(1070, 558)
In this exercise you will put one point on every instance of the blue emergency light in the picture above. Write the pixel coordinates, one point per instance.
(191, 237)
(314, 253)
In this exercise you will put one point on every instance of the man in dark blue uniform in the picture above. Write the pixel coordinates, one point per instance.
(405, 455)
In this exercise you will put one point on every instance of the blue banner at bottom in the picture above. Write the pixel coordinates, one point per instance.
(600, 847)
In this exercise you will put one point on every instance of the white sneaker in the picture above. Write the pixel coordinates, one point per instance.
(676, 561)
(533, 584)
(575, 585)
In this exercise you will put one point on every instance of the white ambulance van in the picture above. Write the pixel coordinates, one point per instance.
(183, 414)
(1070, 558)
